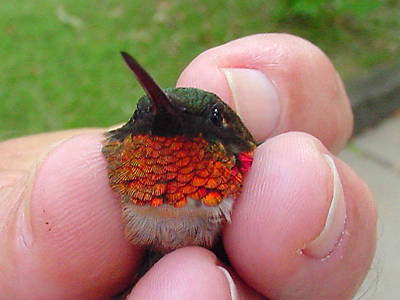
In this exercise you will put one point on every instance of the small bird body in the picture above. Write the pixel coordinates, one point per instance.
(178, 165)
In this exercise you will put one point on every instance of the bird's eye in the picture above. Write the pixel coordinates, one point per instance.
(216, 115)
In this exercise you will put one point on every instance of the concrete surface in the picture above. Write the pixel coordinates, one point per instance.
(375, 156)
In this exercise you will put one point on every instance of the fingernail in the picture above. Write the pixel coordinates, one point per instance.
(255, 100)
(231, 283)
(330, 235)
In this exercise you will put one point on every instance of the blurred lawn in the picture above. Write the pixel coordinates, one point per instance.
(60, 65)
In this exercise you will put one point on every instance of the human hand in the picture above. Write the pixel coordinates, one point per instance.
(60, 227)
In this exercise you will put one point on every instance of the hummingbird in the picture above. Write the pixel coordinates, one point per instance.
(177, 165)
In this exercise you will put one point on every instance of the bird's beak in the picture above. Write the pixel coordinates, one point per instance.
(156, 95)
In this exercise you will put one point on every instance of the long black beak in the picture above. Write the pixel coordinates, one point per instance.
(157, 96)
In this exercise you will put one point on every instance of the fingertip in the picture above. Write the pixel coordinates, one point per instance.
(226, 71)
(299, 88)
(288, 188)
(186, 273)
(78, 242)
(286, 204)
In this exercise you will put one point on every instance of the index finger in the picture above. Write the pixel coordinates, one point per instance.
(276, 83)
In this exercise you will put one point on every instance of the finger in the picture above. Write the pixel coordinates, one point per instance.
(277, 83)
(61, 233)
(305, 225)
(190, 273)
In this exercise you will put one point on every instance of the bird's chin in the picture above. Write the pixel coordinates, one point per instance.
(165, 228)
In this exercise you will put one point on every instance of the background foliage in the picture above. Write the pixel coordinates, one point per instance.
(60, 65)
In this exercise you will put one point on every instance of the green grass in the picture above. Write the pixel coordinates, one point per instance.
(60, 65)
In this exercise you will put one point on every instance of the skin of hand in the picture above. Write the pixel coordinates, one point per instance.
(303, 228)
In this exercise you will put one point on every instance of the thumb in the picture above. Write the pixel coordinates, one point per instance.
(60, 228)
